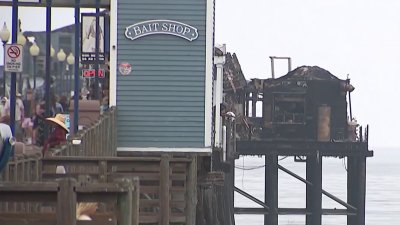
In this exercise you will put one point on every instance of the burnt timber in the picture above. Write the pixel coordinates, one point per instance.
(307, 115)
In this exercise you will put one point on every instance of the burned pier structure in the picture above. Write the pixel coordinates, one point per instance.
(306, 114)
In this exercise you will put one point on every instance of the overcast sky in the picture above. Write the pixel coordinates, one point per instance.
(356, 37)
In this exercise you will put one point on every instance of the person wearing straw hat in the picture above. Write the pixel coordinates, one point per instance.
(58, 134)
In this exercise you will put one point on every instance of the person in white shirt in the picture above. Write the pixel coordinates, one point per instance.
(19, 115)
(3, 103)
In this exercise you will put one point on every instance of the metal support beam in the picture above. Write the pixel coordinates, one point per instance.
(314, 192)
(271, 189)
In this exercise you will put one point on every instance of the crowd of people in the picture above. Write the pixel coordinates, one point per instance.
(30, 119)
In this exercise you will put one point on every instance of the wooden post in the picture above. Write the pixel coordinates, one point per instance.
(124, 203)
(66, 202)
(103, 171)
(314, 192)
(254, 96)
(135, 201)
(164, 190)
(271, 189)
(356, 182)
(361, 190)
(352, 186)
(191, 192)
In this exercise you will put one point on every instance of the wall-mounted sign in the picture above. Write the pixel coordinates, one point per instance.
(170, 27)
(13, 56)
(88, 38)
(125, 68)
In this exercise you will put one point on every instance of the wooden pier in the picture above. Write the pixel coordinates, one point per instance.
(304, 116)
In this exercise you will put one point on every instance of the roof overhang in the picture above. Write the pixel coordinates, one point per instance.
(59, 3)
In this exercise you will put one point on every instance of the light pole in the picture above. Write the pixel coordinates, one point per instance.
(4, 36)
(20, 40)
(61, 58)
(70, 61)
(34, 50)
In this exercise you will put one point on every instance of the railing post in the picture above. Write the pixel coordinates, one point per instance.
(191, 190)
(103, 171)
(66, 202)
(135, 201)
(124, 203)
(164, 190)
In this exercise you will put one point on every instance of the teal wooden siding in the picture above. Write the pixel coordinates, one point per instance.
(161, 103)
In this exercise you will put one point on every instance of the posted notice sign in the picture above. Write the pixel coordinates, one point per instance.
(13, 55)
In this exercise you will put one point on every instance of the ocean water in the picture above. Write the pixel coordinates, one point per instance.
(382, 194)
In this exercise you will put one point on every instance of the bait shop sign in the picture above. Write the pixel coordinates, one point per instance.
(169, 27)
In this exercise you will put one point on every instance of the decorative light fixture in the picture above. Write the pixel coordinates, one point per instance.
(4, 34)
(61, 55)
(34, 49)
(70, 59)
(21, 39)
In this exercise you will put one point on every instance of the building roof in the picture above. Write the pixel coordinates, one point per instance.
(309, 73)
(233, 75)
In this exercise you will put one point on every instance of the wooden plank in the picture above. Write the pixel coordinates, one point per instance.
(6, 221)
(53, 176)
(144, 219)
(178, 218)
(102, 187)
(19, 215)
(9, 196)
(164, 190)
(95, 222)
(29, 186)
(156, 189)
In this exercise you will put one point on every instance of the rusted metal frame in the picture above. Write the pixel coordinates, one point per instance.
(329, 195)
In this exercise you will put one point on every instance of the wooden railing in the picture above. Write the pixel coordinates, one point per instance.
(97, 140)
(22, 168)
(65, 194)
(168, 186)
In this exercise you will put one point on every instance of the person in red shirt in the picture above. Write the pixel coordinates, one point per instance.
(58, 134)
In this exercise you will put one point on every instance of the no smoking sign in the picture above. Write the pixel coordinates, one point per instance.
(13, 58)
